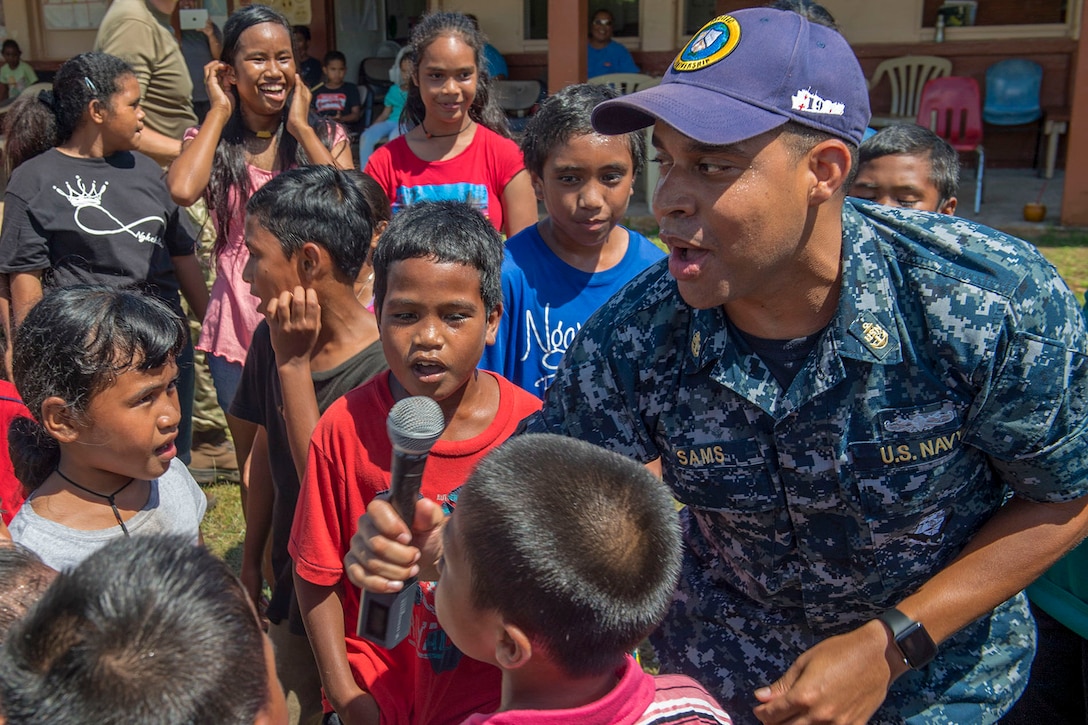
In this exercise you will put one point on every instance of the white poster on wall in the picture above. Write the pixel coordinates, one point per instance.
(73, 14)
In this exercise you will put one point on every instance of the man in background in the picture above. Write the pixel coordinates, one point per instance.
(139, 32)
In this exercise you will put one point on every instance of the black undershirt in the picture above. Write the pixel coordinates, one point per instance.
(782, 357)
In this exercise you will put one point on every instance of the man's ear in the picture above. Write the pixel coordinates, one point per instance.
(513, 649)
(829, 161)
(949, 207)
(58, 420)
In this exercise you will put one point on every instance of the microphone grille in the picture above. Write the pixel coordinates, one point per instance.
(415, 424)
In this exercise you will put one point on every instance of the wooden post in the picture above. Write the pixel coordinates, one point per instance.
(1075, 192)
(568, 36)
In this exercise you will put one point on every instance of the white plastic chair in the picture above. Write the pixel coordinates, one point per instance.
(908, 75)
(517, 98)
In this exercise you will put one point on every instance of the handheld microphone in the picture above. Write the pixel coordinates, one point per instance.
(414, 425)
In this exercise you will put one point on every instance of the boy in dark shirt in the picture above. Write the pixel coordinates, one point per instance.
(336, 98)
(308, 233)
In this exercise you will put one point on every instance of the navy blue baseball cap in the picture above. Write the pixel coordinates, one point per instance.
(747, 73)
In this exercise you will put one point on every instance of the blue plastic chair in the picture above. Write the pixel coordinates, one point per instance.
(1012, 92)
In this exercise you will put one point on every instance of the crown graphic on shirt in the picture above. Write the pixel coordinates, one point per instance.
(82, 196)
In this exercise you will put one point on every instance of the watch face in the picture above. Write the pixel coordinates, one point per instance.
(916, 645)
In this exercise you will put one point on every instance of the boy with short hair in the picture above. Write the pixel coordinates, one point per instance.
(560, 270)
(146, 629)
(560, 558)
(336, 98)
(438, 297)
(308, 234)
(908, 166)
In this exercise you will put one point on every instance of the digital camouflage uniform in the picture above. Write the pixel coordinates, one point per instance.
(952, 375)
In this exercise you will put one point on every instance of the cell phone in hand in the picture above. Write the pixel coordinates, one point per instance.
(193, 19)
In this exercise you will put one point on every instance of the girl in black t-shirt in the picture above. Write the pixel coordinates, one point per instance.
(83, 207)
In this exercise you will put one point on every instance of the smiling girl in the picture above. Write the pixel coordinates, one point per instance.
(259, 125)
(460, 148)
(82, 207)
(98, 370)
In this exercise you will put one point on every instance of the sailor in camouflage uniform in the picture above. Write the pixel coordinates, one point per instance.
(875, 417)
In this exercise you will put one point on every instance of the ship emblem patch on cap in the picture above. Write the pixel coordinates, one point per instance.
(713, 42)
(807, 100)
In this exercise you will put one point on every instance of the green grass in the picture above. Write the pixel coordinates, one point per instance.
(224, 525)
(1067, 249)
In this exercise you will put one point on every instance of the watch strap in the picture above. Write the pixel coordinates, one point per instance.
(897, 622)
(911, 638)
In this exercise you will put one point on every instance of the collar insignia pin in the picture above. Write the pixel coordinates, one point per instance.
(876, 336)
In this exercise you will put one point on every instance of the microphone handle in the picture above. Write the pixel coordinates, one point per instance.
(406, 477)
(385, 619)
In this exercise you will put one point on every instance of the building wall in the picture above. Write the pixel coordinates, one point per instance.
(877, 29)
(862, 22)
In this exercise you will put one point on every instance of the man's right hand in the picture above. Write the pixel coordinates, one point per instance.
(385, 552)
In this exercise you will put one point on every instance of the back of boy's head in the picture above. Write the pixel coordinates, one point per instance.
(319, 204)
(576, 545)
(335, 55)
(72, 345)
(567, 115)
(914, 140)
(146, 629)
(25, 578)
(447, 232)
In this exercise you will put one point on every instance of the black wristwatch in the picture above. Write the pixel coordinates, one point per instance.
(911, 637)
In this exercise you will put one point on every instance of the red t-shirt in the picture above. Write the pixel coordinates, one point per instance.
(11, 490)
(478, 175)
(425, 679)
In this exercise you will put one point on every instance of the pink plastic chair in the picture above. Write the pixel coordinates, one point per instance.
(952, 108)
